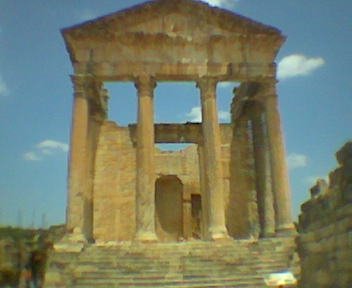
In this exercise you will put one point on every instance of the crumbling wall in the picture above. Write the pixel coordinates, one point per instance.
(325, 227)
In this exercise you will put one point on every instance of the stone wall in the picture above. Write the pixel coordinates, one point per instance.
(115, 180)
(325, 227)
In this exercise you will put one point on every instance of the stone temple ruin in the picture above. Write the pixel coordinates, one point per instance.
(231, 183)
(234, 175)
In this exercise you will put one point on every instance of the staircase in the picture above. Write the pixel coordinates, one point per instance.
(235, 263)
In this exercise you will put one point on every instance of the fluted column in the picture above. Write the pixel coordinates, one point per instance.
(212, 159)
(263, 174)
(280, 178)
(145, 190)
(78, 161)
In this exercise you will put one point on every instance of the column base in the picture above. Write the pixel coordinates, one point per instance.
(286, 230)
(218, 235)
(146, 237)
(72, 242)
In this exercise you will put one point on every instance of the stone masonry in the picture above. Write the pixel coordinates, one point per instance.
(325, 229)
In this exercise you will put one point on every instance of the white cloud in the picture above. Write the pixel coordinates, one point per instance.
(51, 145)
(31, 156)
(47, 151)
(221, 3)
(295, 161)
(44, 149)
(298, 65)
(3, 87)
(195, 115)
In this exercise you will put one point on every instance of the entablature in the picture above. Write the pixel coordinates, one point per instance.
(128, 71)
(182, 133)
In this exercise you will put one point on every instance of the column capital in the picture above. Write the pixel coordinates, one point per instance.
(207, 85)
(85, 85)
(267, 89)
(145, 83)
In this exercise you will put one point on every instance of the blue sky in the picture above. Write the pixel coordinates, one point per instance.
(36, 95)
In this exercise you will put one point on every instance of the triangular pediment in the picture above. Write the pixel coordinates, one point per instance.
(183, 18)
(174, 39)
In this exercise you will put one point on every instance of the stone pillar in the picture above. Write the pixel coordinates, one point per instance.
(263, 175)
(280, 179)
(204, 195)
(244, 194)
(212, 159)
(78, 161)
(145, 190)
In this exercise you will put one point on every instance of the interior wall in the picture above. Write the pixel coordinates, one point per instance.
(114, 185)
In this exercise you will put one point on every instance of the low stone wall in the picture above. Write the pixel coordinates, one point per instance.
(325, 229)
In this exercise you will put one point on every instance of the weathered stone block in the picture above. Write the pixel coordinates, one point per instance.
(320, 188)
(344, 155)
(326, 256)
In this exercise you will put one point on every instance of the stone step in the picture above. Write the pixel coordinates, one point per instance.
(146, 258)
(200, 259)
(193, 246)
(197, 264)
(188, 264)
(209, 252)
(173, 285)
(156, 278)
(190, 269)
(162, 282)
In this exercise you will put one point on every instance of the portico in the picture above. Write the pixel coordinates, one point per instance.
(114, 170)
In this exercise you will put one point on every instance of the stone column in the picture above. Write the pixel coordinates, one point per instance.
(78, 161)
(145, 190)
(244, 194)
(263, 174)
(204, 195)
(280, 179)
(212, 159)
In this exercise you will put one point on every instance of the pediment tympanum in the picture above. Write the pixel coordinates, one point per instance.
(173, 37)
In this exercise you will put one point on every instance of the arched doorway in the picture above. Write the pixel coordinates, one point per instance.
(168, 208)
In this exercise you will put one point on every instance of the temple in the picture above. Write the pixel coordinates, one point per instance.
(232, 182)
(215, 214)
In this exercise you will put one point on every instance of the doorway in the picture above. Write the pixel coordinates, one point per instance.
(196, 216)
(168, 208)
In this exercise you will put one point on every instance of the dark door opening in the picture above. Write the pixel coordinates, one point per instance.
(196, 216)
